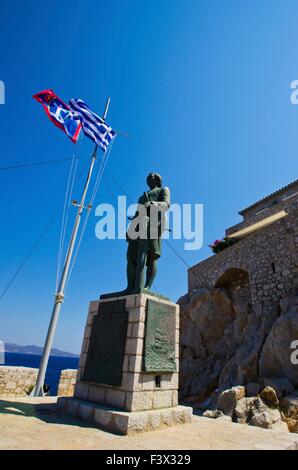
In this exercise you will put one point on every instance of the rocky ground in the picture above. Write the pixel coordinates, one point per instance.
(235, 359)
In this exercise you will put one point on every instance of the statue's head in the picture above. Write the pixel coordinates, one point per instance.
(154, 180)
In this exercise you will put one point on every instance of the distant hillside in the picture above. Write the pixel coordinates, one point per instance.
(16, 348)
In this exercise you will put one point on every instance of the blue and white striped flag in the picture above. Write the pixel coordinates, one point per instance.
(93, 126)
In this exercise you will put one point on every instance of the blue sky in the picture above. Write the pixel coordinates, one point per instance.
(203, 89)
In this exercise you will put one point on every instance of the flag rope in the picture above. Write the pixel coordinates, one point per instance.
(42, 234)
(67, 201)
(95, 190)
(47, 162)
(20, 267)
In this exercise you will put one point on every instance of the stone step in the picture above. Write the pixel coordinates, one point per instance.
(123, 422)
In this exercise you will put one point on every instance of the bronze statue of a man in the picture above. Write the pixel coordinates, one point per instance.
(144, 234)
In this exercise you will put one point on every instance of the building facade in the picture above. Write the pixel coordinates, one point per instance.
(262, 264)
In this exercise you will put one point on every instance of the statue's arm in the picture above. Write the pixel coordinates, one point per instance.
(165, 196)
(140, 203)
(164, 201)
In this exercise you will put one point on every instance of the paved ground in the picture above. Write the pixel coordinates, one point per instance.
(34, 424)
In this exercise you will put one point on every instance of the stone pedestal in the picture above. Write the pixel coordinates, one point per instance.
(128, 371)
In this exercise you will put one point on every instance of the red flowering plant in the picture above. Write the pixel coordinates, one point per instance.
(219, 245)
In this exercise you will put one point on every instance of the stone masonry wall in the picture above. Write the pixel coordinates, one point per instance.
(17, 381)
(67, 382)
(269, 256)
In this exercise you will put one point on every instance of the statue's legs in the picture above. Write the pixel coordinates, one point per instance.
(151, 271)
(140, 268)
(131, 274)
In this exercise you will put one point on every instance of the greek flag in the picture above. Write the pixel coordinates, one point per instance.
(93, 126)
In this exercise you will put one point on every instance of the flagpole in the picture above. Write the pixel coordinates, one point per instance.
(59, 296)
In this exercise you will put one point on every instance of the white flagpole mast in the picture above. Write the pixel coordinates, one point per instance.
(59, 296)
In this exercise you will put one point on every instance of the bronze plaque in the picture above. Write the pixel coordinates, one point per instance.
(105, 355)
(160, 337)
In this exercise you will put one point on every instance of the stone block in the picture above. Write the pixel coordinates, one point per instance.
(115, 398)
(162, 399)
(136, 314)
(81, 390)
(90, 317)
(138, 330)
(85, 411)
(182, 414)
(62, 389)
(131, 381)
(130, 302)
(177, 321)
(155, 421)
(126, 363)
(139, 401)
(11, 385)
(29, 381)
(102, 419)
(122, 422)
(87, 331)
(167, 417)
(148, 382)
(129, 330)
(72, 407)
(169, 381)
(82, 360)
(85, 345)
(141, 300)
(79, 374)
(138, 422)
(174, 397)
(96, 393)
(134, 346)
(135, 363)
(93, 306)
(62, 404)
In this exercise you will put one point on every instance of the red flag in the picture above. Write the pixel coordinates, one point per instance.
(60, 114)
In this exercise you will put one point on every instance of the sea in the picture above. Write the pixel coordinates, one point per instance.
(55, 366)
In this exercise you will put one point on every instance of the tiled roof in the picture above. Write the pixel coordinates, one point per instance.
(279, 191)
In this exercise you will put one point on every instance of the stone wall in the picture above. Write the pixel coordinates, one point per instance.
(67, 382)
(17, 381)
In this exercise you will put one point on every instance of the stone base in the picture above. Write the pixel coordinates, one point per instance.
(137, 389)
(123, 422)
